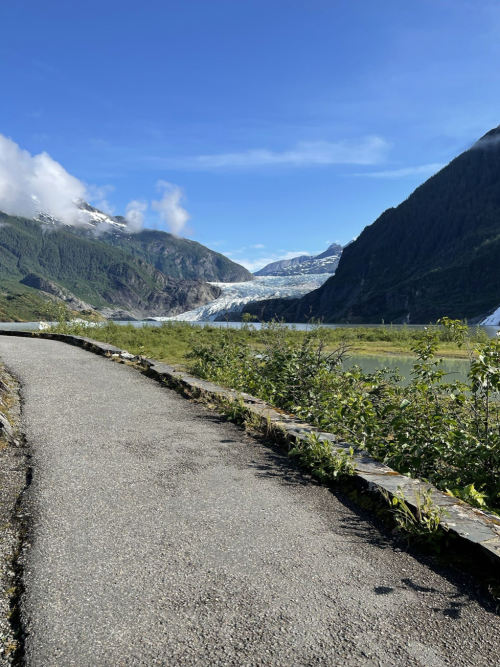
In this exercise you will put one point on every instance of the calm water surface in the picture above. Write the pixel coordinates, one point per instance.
(456, 368)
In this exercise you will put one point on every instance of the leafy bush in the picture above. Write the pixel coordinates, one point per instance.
(424, 524)
(324, 461)
(445, 432)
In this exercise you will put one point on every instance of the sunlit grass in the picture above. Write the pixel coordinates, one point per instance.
(171, 341)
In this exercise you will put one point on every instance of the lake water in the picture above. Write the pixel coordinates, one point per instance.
(456, 368)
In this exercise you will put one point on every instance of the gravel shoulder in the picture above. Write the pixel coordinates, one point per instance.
(163, 536)
(13, 476)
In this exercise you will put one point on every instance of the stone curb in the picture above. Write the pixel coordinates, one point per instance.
(476, 528)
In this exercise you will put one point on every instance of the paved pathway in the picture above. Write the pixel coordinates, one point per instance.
(162, 536)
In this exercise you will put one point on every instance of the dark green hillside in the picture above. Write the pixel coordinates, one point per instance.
(437, 253)
(179, 257)
(95, 272)
(82, 266)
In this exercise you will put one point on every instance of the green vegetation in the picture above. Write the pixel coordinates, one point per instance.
(171, 342)
(178, 257)
(323, 460)
(96, 273)
(89, 269)
(425, 523)
(445, 432)
(435, 254)
(22, 304)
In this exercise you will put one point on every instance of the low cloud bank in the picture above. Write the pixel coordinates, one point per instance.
(30, 184)
(488, 141)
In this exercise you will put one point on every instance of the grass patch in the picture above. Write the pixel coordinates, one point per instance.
(171, 342)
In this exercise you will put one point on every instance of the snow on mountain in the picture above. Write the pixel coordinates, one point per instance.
(492, 320)
(236, 295)
(325, 262)
(91, 218)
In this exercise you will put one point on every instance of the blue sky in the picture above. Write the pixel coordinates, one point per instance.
(287, 124)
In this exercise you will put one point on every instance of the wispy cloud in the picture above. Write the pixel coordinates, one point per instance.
(488, 141)
(97, 195)
(423, 170)
(261, 262)
(370, 150)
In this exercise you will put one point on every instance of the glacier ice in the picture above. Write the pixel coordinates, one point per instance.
(236, 295)
(493, 319)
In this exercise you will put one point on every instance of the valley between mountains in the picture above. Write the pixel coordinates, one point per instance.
(434, 255)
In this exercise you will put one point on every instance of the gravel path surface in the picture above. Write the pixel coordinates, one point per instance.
(162, 536)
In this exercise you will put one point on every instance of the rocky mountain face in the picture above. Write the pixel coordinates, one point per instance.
(178, 257)
(168, 297)
(172, 255)
(83, 272)
(326, 262)
(59, 293)
(436, 254)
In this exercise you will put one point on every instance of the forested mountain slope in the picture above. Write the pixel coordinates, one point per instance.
(437, 253)
(96, 273)
(174, 256)
(179, 257)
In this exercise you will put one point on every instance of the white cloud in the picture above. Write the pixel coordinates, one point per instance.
(97, 196)
(369, 150)
(423, 170)
(261, 262)
(134, 215)
(258, 246)
(169, 207)
(29, 184)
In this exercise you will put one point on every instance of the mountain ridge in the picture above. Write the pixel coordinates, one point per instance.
(325, 262)
(174, 256)
(436, 254)
(89, 271)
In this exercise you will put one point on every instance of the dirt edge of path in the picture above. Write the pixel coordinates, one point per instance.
(15, 476)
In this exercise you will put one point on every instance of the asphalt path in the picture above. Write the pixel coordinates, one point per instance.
(163, 536)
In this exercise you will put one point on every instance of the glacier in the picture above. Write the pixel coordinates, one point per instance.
(492, 320)
(236, 295)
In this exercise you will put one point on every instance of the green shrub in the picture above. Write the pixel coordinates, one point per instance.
(446, 432)
(424, 523)
(323, 460)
